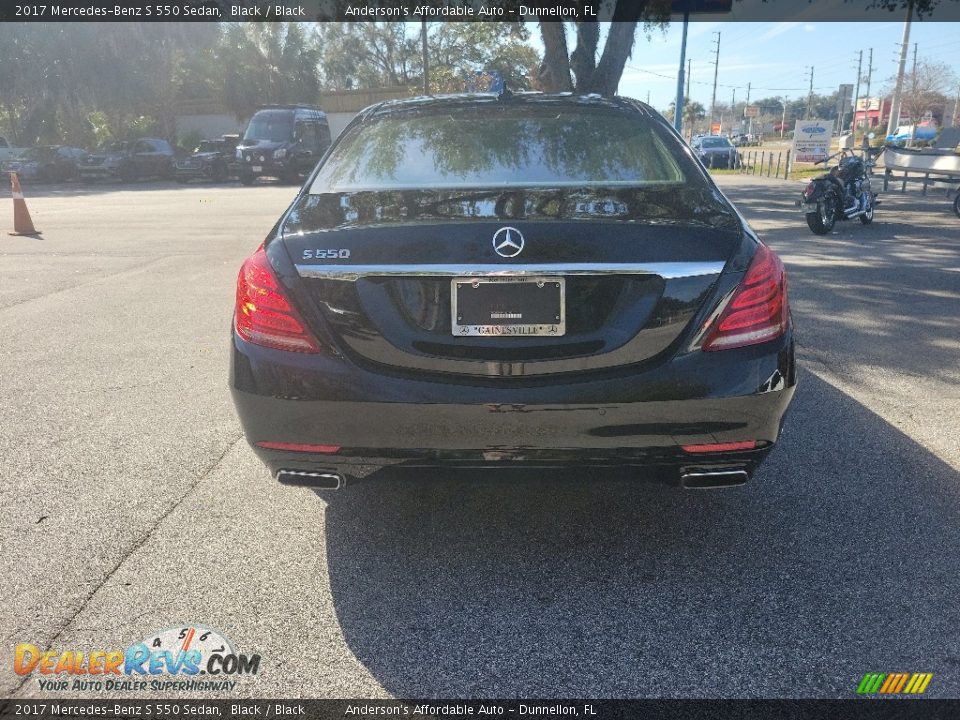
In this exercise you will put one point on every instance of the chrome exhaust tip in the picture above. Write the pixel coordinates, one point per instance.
(713, 479)
(322, 479)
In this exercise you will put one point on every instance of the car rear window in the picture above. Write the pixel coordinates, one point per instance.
(500, 146)
(270, 125)
(715, 143)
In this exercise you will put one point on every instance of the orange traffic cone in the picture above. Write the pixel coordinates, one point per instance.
(22, 224)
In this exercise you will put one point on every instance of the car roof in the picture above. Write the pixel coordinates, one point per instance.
(305, 109)
(442, 103)
(289, 106)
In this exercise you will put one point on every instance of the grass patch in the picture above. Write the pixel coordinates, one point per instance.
(803, 173)
(806, 173)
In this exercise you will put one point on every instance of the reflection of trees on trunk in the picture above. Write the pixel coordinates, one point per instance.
(671, 205)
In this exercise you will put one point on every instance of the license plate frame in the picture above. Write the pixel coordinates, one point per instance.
(257, 168)
(546, 320)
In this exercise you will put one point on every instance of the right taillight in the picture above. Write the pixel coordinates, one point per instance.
(263, 315)
(758, 311)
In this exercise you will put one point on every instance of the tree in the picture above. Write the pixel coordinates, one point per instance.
(924, 89)
(267, 63)
(385, 54)
(580, 70)
(693, 112)
(457, 50)
(366, 55)
(82, 82)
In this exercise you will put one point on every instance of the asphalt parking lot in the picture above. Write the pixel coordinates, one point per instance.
(130, 502)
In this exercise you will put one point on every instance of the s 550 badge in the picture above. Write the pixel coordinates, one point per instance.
(329, 254)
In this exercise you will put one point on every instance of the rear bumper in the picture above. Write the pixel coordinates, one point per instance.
(202, 172)
(192, 172)
(624, 418)
(97, 172)
(268, 168)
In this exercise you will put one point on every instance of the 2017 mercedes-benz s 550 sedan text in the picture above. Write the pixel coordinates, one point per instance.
(512, 280)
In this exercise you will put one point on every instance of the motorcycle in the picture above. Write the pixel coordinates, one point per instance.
(843, 193)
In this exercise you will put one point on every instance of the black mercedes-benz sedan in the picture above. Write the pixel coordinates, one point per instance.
(512, 280)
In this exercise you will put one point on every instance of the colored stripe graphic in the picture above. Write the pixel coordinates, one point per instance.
(894, 683)
(900, 683)
(871, 683)
(914, 683)
(888, 683)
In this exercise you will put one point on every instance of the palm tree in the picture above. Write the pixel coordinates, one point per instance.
(692, 112)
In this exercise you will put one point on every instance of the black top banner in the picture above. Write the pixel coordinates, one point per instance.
(475, 10)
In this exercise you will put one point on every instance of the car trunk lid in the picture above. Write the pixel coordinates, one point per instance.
(380, 271)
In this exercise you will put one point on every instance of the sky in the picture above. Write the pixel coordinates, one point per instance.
(774, 57)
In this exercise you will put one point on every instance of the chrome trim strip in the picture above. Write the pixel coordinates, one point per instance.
(667, 270)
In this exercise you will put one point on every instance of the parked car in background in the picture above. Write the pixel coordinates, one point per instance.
(46, 163)
(904, 133)
(7, 151)
(129, 160)
(745, 139)
(211, 160)
(716, 151)
(283, 141)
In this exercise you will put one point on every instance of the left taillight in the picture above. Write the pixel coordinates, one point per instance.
(263, 315)
(758, 311)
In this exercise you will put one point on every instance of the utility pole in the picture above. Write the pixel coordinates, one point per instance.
(913, 85)
(750, 119)
(783, 122)
(856, 95)
(688, 79)
(716, 70)
(955, 118)
(679, 102)
(866, 120)
(895, 105)
(733, 105)
(426, 58)
(809, 96)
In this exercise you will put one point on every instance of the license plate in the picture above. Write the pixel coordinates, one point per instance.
(257, 168)
(508, 306)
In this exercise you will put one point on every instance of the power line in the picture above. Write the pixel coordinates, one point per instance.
(716, 70)
(856, 97)
(727, 85)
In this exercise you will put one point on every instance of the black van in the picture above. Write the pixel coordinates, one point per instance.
(283, 141)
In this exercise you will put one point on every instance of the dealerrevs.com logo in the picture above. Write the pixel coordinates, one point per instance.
(183, 658)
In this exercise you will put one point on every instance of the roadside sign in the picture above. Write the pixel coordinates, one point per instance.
(751, 111)
(715, 128)
(844, 97)
(811, 140)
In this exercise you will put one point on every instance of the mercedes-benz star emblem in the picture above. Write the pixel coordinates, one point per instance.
(508, 242)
